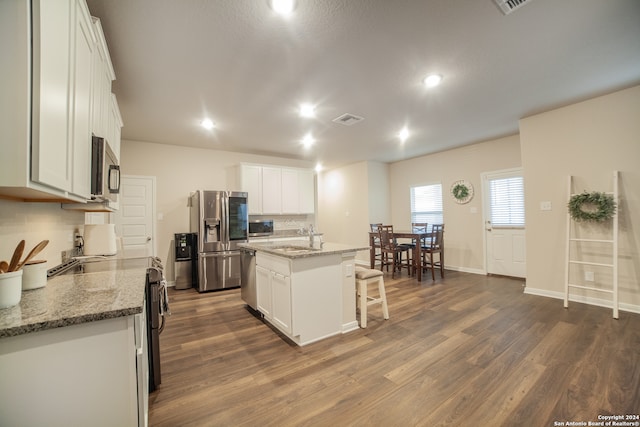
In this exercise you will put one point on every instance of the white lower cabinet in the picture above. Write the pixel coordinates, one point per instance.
(79, 375)
(302, 297)
(281, 294)
(274, 293)
(263, 284)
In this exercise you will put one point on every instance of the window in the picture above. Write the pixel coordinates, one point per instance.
(426, 204)
(506, 196)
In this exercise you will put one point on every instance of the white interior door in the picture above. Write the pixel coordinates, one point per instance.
(505, 223)
(135, 220)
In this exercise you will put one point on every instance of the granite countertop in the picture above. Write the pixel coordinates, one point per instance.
(328, 248)
(73, 299)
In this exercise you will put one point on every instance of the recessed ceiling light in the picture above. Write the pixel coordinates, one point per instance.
(207, 124)
(432, 80)
(283, 7)
(308, 140)
(318, 167)
(403, 134)
(307, 110)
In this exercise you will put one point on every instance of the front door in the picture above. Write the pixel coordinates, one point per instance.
(134, 220)
(505, 222)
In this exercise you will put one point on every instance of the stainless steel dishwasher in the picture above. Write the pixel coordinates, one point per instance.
(248, 290)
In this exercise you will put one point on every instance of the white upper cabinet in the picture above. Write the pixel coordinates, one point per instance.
(290, 191)
(114, 128)
(271, 190)
(307, 193)
(52, 151)
(46, 99)
(84, 50)
(103, 75)
(251, 182)
(277, 190)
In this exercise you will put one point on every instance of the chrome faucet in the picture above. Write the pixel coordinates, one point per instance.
(311, 235)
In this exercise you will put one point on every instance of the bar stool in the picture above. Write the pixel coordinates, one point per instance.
(364, 277)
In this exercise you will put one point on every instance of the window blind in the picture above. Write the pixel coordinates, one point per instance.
(507, 202)
(426, 204)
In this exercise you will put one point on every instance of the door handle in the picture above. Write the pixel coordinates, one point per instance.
(148, 239)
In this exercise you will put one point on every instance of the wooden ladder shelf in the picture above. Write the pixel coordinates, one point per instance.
(611, 243)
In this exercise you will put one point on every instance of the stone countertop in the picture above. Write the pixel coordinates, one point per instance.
(328, 248)
(79, 298)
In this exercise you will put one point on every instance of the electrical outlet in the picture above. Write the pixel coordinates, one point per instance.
(589, 276)
(66, 255)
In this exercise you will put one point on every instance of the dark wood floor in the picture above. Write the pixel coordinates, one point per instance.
(468, 350)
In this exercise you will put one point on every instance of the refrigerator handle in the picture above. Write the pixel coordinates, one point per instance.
(226, 218)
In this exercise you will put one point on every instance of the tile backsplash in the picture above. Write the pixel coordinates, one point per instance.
(34, 222)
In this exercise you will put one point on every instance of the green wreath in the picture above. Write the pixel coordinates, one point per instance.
(600, 206)
(460, 191)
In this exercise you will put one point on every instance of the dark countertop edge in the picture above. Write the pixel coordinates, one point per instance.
(67, 321)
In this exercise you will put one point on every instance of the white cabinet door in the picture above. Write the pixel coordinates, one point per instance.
(251, 182)
(83, 60)
(102, 77)
(290, 191)
(281, 308)
(263, 288)
(274, 190)
(271, 190)
(306, 191)
(91, 364)
(115, 126)
(51, 148)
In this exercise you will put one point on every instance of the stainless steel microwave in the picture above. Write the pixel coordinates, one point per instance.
(105, 171)
(260, 227)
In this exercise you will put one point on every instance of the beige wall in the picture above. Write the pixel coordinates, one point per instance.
(464, 247)
(349, 198)
(379, 194)
(181, 170)
(588, 140)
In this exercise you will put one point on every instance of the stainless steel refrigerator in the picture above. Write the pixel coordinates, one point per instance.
(220, 219)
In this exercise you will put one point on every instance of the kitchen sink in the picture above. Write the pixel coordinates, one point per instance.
(295, 249)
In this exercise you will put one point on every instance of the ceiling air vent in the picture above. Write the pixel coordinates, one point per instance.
(508, 6)
(348, 119)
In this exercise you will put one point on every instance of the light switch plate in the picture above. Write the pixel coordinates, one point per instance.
(545, 206)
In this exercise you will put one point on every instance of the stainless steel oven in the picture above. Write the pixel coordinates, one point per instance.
(260, 227)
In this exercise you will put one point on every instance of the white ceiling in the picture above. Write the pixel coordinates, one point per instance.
(236, 61)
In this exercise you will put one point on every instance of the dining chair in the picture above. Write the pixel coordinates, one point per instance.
(377, 257)
(392, 251)
(419, 227)
(434, 245)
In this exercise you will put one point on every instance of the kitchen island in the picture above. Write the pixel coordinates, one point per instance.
(307, 293)
(69, 352)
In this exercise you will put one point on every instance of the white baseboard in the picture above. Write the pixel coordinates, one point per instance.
(631, 308)
(351, 326)
(365, 264)
(466, 270)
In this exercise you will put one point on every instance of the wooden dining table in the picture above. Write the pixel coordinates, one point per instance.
(416, 255)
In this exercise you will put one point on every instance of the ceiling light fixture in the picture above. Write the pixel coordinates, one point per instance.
(207, 124)
(282, 7)
(318, 167)
(432, 80)
(307, 110)
(308, 140)
(403, 134)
